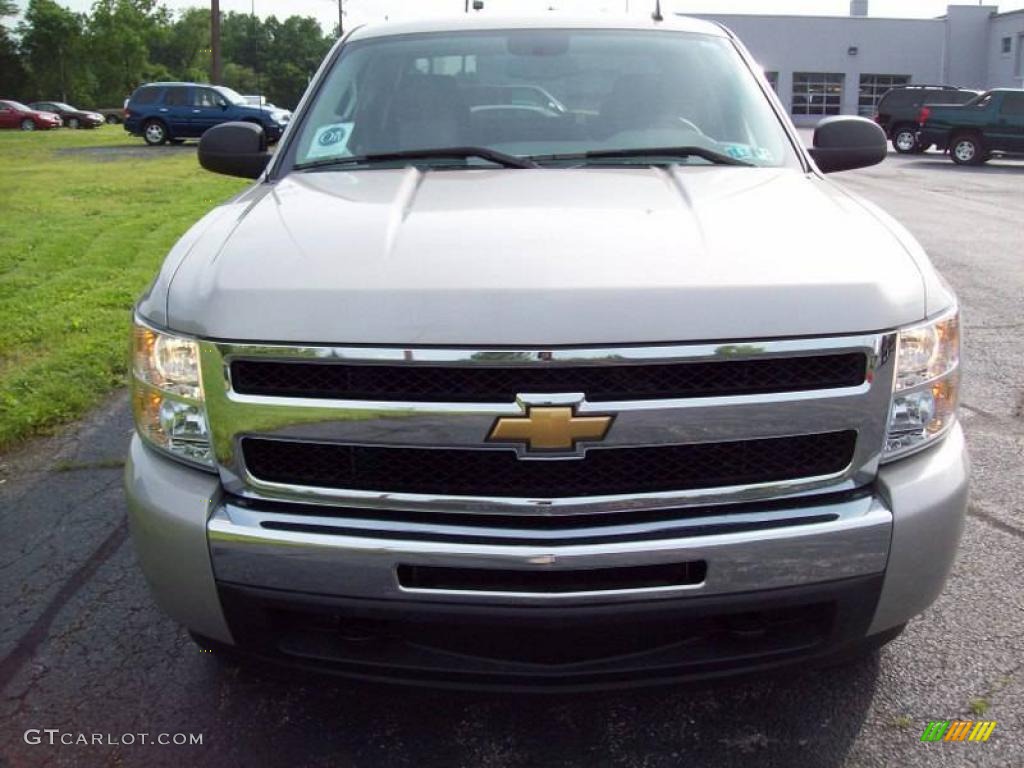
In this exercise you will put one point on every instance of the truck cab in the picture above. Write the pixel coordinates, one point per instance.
(972, 133)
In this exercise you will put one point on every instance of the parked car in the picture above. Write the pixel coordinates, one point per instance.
(972, 133)
(72, 117)
(112, 115)
(899, 108)
(14, 114)
(160, 112)
(434, 401)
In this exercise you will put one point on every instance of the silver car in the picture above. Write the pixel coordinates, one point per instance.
(623, 392)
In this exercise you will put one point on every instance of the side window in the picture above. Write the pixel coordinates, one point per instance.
(1013, 104)
(176, 97)
(205, 97)
(145, 96)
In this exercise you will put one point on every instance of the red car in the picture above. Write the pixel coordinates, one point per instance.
(14, 114)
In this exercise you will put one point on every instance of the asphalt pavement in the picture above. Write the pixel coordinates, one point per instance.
(84, 651)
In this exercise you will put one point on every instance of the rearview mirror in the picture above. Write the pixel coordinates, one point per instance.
(234, 149)
(842, 143)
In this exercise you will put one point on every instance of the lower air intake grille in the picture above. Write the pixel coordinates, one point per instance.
(500, 473)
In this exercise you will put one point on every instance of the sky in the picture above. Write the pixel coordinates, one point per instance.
(362, 11)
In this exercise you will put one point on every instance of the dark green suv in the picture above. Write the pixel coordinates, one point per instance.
(991, 124)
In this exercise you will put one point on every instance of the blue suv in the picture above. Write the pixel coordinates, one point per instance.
(161, 112)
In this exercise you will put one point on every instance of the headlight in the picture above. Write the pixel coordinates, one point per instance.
(167, 395)
(926, 389)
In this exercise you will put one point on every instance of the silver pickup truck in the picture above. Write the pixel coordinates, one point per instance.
(543, 354)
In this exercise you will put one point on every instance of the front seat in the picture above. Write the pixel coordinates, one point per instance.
(428, 112)
(636, 102)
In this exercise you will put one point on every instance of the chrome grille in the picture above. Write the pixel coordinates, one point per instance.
(602, 471)
(703, 430)
(599, 383)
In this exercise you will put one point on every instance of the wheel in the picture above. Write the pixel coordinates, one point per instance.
(27, 125)
(904, 141)
(154, 132)
(967, 150)
(111, 120)
(73, 122)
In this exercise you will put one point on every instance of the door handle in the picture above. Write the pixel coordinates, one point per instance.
(196, 111)
(163, 109)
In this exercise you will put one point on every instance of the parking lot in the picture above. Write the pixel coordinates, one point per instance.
(83, 649)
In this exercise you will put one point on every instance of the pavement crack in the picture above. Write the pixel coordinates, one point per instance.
(27, 645)
(974, 511)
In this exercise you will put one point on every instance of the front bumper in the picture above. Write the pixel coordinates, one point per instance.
(863, 564)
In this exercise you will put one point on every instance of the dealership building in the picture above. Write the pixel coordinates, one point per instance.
(828, 65)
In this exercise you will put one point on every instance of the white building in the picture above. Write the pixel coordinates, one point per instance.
(827, 65)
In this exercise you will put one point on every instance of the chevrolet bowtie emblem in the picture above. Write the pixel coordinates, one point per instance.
(549, 428)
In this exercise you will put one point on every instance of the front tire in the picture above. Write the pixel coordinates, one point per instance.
(111, 120)
(967, 149)
(73, 123)
(154, 132)
(904, 141)
(28, 125)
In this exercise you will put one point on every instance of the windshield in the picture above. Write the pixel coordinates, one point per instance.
(15, 105)
(233, 97)
(549, 95)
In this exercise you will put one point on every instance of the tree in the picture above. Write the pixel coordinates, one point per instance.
(13, 77)
(121, 35)
(99, 58)
(53, 51)
(297, 46)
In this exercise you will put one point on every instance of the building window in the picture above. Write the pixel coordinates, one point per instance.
(817, 93)
(873, 88)
(1007, 45)
(773, 80)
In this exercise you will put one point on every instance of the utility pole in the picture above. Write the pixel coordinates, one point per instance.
(341, 18)
(215, 42)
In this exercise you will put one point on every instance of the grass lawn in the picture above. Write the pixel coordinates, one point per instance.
(83, 229)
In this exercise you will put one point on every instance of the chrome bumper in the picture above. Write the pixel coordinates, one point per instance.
(246, 553)
(189, 538)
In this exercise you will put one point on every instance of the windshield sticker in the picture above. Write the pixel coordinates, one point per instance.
(739, 151)
(748, 153)
(330, 141)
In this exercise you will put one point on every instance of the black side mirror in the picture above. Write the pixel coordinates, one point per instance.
(234, 149)
(842, 143)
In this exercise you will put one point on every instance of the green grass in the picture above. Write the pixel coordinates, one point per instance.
(81, 236)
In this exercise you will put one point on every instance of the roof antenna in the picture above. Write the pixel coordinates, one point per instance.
(657, 11)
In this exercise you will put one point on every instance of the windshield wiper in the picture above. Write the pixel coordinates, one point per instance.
(679, 153)
(447, 153)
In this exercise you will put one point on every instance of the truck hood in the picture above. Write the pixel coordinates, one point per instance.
(540, 257)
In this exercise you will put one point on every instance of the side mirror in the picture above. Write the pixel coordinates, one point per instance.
(842, 143)
(234, 149)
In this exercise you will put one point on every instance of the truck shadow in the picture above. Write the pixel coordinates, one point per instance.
(810, 719)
